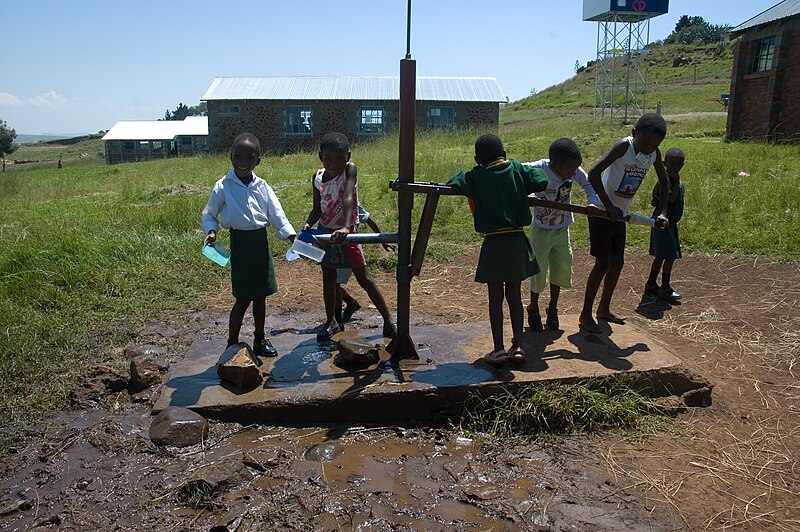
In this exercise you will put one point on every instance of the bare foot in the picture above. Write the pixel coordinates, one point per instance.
(588, 324)
(612, 317)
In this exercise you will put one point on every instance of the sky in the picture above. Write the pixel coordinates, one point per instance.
(80, 66)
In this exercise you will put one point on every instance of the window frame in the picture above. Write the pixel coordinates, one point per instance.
(763, 58)
(437, 123)
(290, 110)
(229, 110)
(371, 129)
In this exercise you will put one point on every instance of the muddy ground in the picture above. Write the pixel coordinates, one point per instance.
(732, 466)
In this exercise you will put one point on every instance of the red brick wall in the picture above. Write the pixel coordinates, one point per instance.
(766, 105)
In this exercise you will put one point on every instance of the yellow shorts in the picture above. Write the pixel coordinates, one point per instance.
(553, 252)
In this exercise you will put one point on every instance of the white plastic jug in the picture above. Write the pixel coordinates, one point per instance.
(310, 251)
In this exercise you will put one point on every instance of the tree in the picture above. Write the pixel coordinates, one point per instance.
(7, 145)
(691, 30)
(182, 111)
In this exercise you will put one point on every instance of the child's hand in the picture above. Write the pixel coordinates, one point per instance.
(210, 238)
(306, 227)
(339, 235)
(388, 247)
(614, 213)
(662, 221)
(291, 238)
(592, 210)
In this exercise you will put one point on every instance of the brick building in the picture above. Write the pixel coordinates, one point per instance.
(765, 83)
(292, 113)
(143, 140)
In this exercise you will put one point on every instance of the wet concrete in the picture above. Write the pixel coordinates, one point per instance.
(309, 383)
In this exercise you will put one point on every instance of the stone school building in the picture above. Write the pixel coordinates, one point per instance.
(765, 83)
(292, 113)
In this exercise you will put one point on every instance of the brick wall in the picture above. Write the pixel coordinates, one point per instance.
(766, 105)
(266, 120)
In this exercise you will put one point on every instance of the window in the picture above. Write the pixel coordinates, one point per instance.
(763, 52)
(441, 116)
(128, 146)
(371, 121)
(229, 109)
(298, 120)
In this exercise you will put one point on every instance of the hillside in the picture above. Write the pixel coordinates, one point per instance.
(679, 76)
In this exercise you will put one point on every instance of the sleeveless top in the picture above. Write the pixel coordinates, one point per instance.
(623, 178)
(331, 201)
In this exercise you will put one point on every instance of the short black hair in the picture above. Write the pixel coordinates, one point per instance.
(334, 141)
(488, 147)
(248, 138)
(565, 150)
(675, 152)
(651, 123)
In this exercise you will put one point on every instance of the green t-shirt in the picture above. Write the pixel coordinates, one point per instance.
(500, 193)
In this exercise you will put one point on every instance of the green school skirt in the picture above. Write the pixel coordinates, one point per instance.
(506, 257)
(252, 273)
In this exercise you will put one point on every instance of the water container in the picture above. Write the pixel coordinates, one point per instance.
(217, 253)
(310, 251)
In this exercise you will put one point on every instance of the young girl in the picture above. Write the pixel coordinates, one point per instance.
(246, 204)
(499, 189)
(335, 188)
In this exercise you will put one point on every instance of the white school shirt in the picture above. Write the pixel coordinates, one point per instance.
(559, 190)
(623, 178)
(234, 205)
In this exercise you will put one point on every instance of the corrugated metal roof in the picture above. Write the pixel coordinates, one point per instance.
(786, 9)
(353, 88)
(158, 129)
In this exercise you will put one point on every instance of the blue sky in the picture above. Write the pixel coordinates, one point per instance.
(79, 66)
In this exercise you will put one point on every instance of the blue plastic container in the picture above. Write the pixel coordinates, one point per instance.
(217, 253)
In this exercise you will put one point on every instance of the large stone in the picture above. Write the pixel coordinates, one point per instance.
(178, 427)
(144, 372)
(238, 367)
(357, 351)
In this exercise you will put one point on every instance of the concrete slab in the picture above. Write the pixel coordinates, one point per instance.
(310, 383)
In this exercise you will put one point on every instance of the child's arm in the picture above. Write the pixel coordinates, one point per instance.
(663, 197)
(351, 174)
(210, 216)
(596, 173)
(592, 201)
(316, 209)
(277, 217)
(674, 185)
(374, 226)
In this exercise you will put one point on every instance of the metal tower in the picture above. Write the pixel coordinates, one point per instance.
(623, 32)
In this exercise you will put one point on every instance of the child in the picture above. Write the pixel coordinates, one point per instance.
(665, 246)
(246, 204)
(499, 188)
(351, 306)
(550, 228)
(623, 168)
(335, 188)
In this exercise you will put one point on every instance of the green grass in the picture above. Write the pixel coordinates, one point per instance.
(558, 408)
(90, 252)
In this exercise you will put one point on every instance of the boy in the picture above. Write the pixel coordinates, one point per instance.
(246, 204)
(335, 188)
(622, 169)
(550, 228)
(665, 246)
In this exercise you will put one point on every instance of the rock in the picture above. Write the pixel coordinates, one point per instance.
(359, 352)
(681, 60)
(178, 427)
(237, 366)
(323, 452)
(139, 350)
(144, 372)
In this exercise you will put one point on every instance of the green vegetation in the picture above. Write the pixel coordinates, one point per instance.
(198, 494)
(7, 136)
(588, 405)
(89, 252)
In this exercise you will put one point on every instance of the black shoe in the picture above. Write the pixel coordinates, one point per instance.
(651, 289)
(534, 321)
(326, 331)
(351, 308)
(668, 294)
(552, 318)
(264, 348)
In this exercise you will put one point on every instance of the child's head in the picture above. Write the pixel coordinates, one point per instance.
(673, 160)
(648, 133)
(565, 157)
(334, 152)
(245, 154)
(488, 148)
